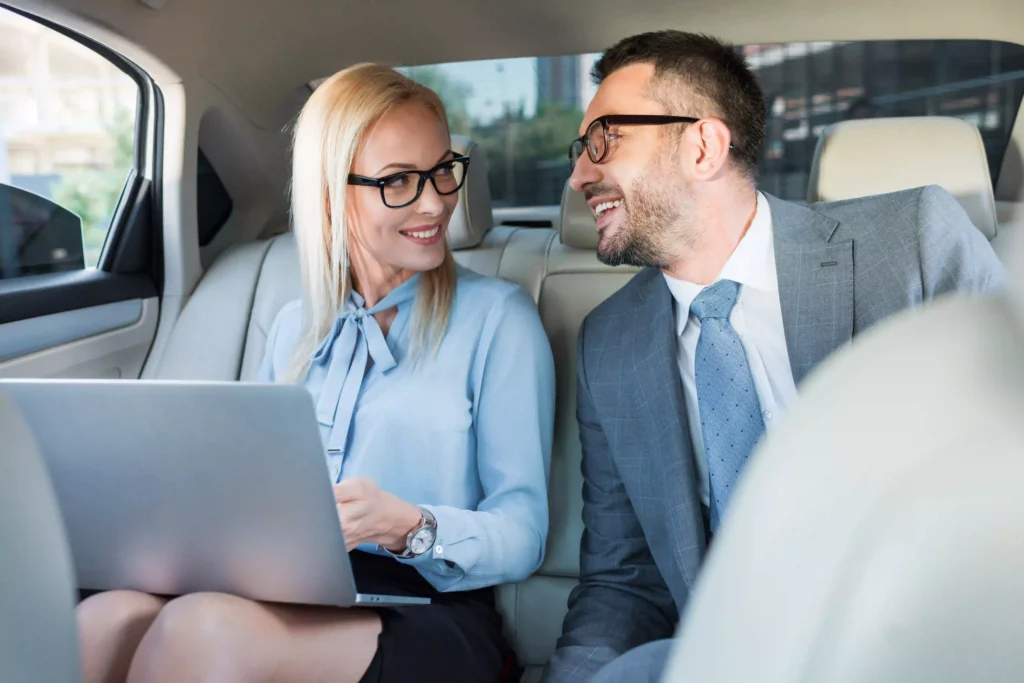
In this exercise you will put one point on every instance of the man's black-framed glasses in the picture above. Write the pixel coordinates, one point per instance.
(402, 189)
(595, 141)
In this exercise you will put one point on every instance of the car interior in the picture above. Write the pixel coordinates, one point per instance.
(195, 259)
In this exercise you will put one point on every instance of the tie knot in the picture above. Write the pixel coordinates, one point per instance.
(716, 301)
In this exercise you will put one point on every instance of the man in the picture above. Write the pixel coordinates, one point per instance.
(682, 370)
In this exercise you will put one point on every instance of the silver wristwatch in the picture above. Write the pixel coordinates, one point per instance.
(422, 537)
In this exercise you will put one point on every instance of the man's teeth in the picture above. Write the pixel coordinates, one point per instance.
(604, 206)
(425, 234)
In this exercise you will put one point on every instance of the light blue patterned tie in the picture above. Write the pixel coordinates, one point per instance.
(730, 413)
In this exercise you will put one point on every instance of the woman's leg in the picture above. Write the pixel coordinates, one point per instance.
(110, 627)
(215, 637)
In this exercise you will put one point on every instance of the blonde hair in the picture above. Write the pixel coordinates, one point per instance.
(330, 129)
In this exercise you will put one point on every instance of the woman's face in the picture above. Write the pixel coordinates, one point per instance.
(388, 240)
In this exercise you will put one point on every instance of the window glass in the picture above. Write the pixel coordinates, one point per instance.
(525, 112)
(67, 144)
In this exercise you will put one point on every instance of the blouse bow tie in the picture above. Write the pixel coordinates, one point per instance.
(354, 339)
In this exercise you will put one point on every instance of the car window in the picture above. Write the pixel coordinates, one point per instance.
(67, 146)
(525, 112)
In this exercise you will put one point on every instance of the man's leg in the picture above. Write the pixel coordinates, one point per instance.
(642, 664)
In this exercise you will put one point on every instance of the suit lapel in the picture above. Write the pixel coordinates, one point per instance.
(659, 400)
(815, 284)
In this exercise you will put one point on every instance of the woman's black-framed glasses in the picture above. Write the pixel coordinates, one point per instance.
(595, 141)
(401, 189)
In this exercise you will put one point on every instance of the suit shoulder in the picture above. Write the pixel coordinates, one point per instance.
(901, 211)
(622, 301)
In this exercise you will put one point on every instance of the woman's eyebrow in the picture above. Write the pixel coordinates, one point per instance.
(409, 167)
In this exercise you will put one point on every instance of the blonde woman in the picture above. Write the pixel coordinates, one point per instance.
(434, 390)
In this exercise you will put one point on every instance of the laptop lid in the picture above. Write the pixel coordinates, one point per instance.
(171, 487)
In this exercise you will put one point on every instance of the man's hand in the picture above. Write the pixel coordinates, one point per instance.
(369, 514)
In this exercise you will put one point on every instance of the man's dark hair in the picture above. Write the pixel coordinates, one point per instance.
(702, 73)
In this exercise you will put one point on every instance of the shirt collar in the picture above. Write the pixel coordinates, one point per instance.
(752, 264)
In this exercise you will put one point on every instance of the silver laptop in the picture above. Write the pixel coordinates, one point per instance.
(173, 487)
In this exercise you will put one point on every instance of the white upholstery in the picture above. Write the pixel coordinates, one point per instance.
(578, 228)
(210, 335)
(567, 283)
(472, 218)
(38, 631)
(877, 535)
(865, 157)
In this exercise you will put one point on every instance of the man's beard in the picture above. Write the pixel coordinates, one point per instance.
(653, 214)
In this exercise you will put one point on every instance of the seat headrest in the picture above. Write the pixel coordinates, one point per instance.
(864, 157)
(472, 218)
(577, 228)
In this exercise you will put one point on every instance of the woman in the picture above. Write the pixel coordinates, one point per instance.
(434, 391)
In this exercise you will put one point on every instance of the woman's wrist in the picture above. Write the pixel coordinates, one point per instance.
(407, 519)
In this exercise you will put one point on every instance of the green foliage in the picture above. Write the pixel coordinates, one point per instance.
(547, 135)
(92, 193)
(526, 156)
(454, 94)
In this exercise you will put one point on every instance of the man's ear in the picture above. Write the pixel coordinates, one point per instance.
(712, 138)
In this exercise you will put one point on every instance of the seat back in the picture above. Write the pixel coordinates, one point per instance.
(568, 282)
(864, 157)
(38, 636)
(876, 535)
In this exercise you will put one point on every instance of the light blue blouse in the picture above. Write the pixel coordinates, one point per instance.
(465, 433)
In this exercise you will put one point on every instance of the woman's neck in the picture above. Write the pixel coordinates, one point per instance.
(373, 280)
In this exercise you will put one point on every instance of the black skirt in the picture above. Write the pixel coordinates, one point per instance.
(457, 638)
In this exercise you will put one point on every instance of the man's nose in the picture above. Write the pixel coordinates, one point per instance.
(585, 173)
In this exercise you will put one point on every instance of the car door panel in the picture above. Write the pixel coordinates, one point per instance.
(110, 341)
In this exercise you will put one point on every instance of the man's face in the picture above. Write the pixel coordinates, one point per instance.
(638, 193)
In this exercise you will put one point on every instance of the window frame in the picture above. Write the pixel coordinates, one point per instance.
(130, 265)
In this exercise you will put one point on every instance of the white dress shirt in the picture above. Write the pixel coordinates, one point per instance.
(757, 319)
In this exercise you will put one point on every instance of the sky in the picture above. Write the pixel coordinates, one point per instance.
(495, 82)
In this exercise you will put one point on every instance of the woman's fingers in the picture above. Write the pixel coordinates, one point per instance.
(353, 517)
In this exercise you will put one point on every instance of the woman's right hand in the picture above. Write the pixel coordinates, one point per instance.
(370, 514)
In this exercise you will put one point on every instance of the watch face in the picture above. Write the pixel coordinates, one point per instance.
(422, 540)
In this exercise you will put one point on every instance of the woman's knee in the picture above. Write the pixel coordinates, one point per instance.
(112, 614)
(209, 631)
(110, 627)
(206, 618)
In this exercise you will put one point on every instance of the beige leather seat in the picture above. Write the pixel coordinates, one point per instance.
(38, 633)
(878, 535)
(865, 157)
(568, 282)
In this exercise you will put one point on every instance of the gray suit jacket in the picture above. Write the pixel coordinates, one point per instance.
(842, 267)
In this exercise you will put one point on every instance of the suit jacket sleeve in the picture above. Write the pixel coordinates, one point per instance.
(621, 601)
(955, 255)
